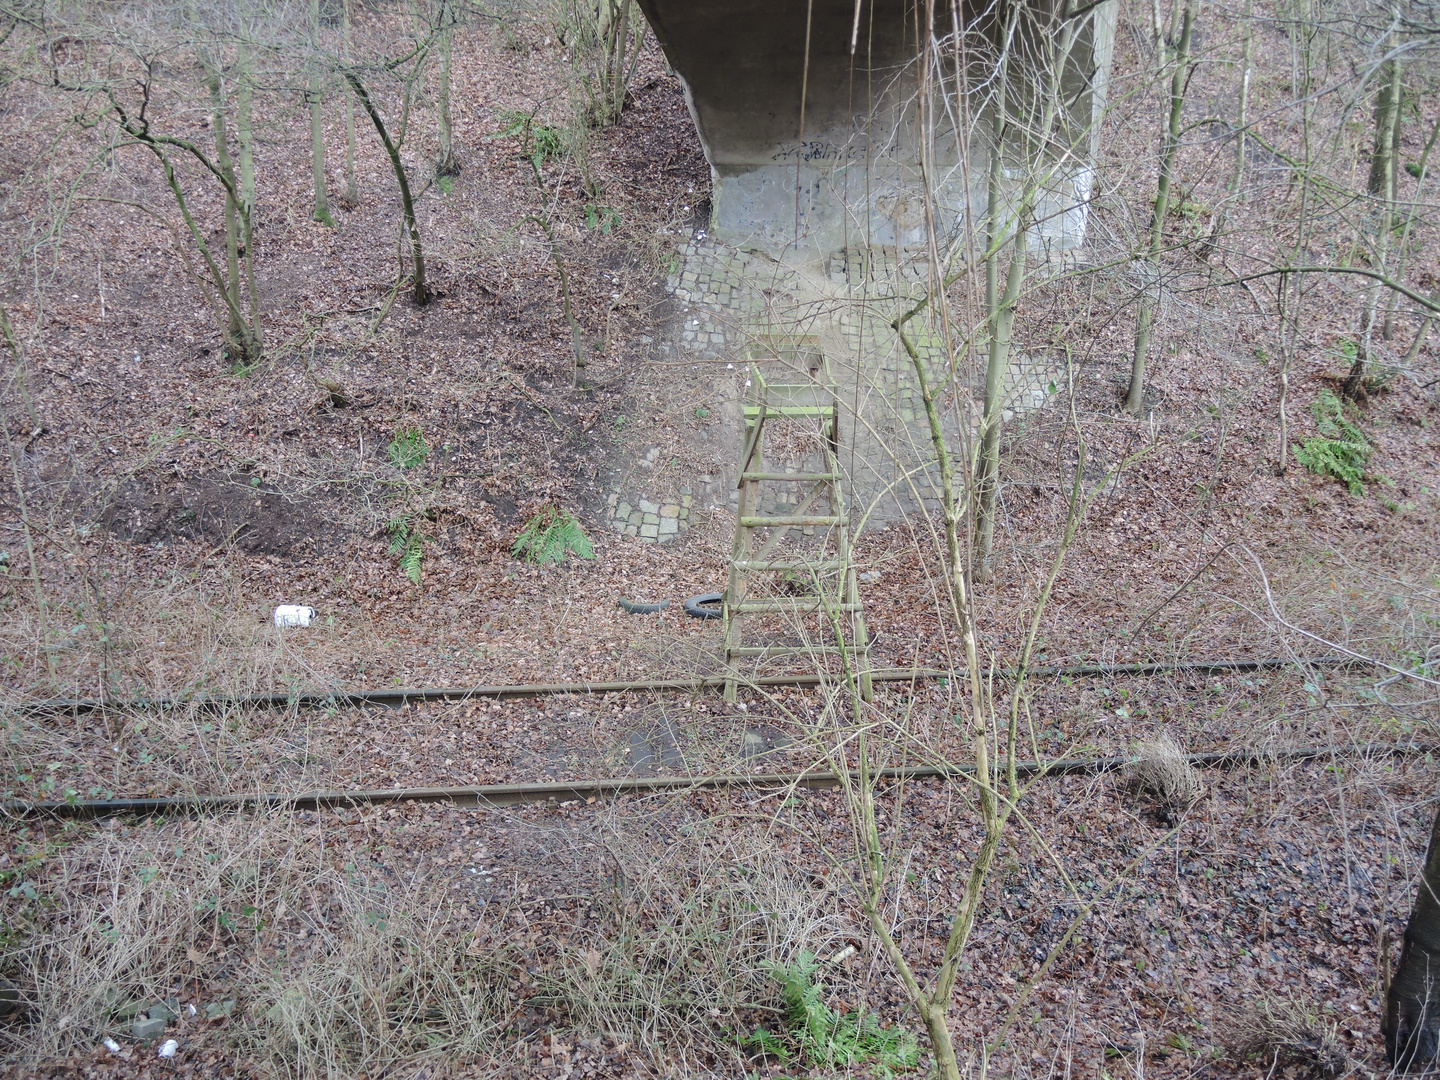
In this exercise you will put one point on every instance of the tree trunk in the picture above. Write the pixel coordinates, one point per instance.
(1420, 335)
(1242, 123)
(1421, 172)
(1282, 462)
(1248, 59)
(615, 80)
(447, 165)
(1134, 397)
(352, 188)
(232, 232)
(1382, 185)
(245, 131)
(317, 150)
(1290, 298)
(316, 99)
(1412, 1002)
(1000, 314)
(243, 345)
(407, 203)
(1387, 123)
(990, 417)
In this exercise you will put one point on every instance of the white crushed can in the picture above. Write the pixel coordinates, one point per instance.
(168, 1049)
(293, 615)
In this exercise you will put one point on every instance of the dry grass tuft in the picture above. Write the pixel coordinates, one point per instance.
(1162, 771)
(334, 966)
(186, 750)
(336, 973)
(389, 983)
(687, 934)
(1288, 1033)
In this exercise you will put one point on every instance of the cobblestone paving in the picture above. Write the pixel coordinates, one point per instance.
(736, 306)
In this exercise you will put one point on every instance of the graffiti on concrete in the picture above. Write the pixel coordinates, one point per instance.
(813, 150)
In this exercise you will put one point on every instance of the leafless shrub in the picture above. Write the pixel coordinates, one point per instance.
(1288, 1033)
(687, 934)
(1162, 771)
(389, 982)
(379, 977)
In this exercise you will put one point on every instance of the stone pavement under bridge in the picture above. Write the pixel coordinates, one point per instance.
(730, 306)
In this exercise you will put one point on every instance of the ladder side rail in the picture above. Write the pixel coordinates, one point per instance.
(735, 590)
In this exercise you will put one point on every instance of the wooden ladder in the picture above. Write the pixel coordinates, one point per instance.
(828, 574)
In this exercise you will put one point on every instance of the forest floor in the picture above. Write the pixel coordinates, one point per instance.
(172, 501)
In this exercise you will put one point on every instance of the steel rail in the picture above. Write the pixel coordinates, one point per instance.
(400, 697)
(587, 791)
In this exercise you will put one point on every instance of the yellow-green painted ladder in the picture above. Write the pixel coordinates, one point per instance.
(827, 572)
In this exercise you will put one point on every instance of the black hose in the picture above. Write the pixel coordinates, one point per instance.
(635, 607)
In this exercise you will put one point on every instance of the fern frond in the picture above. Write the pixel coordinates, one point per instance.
(551, 535)
(1340, 450)
(413, 557)
(409, 544)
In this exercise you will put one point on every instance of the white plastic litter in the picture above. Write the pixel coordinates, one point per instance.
(293, 615)
(110, 1044)
(168, 1048)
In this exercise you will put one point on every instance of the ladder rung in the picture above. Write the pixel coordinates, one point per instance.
(791, 606)
(806, 477)
(796, 565)
(760, 521)
(772, 391)
(799, 650)
(789, 410)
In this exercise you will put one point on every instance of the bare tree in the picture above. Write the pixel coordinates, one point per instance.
(1170, 145)
(1036, 135)
(419, 291)
(315, 98)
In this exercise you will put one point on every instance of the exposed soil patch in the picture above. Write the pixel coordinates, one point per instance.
(235, 509)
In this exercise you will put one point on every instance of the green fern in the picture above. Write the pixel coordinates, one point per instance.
(409, 544)
(551, 535)
(1340, 450)
(810, 1018)
(408, 449)
(826, 1038)
(537, 141)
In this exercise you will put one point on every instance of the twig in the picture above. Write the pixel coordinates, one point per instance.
(531, 398)
(9, 336)
(1275, 612)
(1187, 583)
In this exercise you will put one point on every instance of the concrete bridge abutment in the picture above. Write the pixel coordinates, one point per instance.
(829, 184)
(826, 128)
